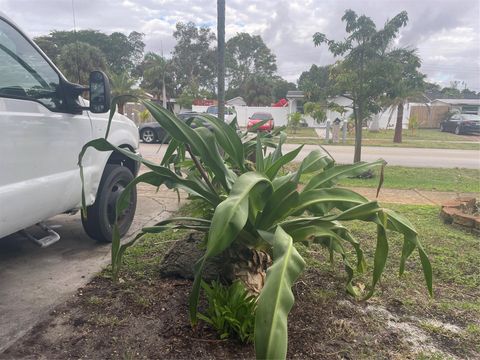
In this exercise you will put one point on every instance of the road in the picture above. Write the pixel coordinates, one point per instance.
(401, 156)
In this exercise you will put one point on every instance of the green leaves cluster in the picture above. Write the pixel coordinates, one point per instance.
(257, 207)
(231, 310)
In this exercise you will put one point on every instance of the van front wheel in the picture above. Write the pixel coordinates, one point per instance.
(100, 217)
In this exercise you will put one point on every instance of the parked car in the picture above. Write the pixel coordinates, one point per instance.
(461, 124)
(259, 117)
(45, 123)
(152, 131)
(229, 113)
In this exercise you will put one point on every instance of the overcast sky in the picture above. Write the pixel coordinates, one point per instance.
(445, 32)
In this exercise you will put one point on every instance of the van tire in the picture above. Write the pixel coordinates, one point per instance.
(100, 216)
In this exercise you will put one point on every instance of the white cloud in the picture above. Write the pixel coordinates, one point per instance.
(445, 32)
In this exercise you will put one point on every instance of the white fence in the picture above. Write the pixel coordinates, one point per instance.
(280, 115)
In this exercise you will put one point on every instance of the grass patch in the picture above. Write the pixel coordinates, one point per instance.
(454, 255)
(472, 145)
(302, 132)
(419, 135)
(401, 177)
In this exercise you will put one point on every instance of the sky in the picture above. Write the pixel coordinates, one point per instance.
(446, 33)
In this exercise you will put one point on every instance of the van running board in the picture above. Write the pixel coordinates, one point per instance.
(51, 238)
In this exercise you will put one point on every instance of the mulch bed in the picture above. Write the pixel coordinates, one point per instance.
(149, 320)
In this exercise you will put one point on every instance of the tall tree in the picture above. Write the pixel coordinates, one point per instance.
(406, 82)
(248, 55)
(77, 60)
(121, 52)
(156, 75)
(123, 84)
(257, 90)
(315, 83)
(364, 69)
(280, 87)
(194, 57)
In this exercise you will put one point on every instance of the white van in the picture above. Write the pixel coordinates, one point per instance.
(44, 123)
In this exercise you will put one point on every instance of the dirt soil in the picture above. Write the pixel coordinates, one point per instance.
(149, 320)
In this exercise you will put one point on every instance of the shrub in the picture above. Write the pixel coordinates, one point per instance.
(231, 310)
(262, 214)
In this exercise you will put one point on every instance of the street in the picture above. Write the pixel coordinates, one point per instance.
(401, 156)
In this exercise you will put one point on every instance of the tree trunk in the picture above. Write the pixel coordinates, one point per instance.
(221, 58)
(397, 138)
(358, 112)
(238, 262)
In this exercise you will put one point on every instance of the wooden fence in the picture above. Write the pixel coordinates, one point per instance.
(429, 117)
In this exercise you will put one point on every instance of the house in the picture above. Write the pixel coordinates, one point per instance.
(236, 101)
(464, 106)
(293, 96)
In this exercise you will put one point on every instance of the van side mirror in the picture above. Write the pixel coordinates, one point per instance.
(99, 89)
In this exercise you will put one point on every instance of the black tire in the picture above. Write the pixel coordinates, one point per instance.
(458, 131)
(101, 215)
(148, 135)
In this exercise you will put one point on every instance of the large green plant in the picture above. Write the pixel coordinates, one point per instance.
(256, 207)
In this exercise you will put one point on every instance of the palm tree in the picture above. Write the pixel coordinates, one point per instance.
(155, 75)
(407, 83)
(123, 84)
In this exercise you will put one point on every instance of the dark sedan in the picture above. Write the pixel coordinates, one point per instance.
(461, 124)
(152, 131)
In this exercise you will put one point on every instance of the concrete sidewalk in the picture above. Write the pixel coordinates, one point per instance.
(413, 197)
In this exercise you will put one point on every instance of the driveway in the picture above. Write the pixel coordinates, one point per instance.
(34, 280)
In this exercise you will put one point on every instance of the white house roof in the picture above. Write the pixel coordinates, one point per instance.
(238, 100)
(459, 101)
(294, 94)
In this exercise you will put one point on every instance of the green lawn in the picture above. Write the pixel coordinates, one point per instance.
(389, 143)
(422, 138)
(420, 134)
(400, 177)
(302, 132)
(454, 255)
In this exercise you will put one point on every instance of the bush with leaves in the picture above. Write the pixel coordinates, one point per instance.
(294, 120)
(260, 213)
(231, 310)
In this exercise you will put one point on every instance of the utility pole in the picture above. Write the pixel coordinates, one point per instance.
(221, 58)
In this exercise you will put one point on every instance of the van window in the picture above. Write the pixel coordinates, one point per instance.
(25, 73)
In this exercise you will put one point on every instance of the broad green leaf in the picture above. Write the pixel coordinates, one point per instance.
(185, 134)
(329, 176)
(326, 199)
(381, 251)
(278, 206)
(399, 223)
(276, 299)
(228, 221)
(227, 138)
(272, 171)
(259, 156)
(316, 160)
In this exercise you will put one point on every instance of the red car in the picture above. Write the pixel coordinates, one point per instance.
(259, 117)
